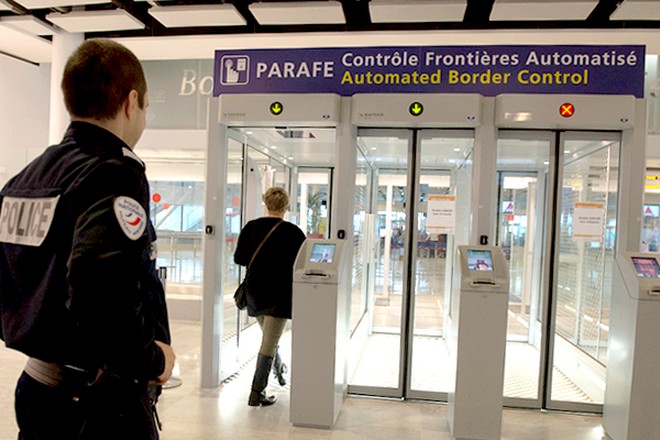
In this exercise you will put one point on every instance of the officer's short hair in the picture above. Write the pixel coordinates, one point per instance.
(276, 200)
(98, 77)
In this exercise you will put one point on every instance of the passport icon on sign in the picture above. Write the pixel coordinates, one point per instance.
(235, 70)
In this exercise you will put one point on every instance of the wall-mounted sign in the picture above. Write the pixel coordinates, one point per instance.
(651, 211)
(487, 70)
(441, 214)
(588, 221)
(179, 91)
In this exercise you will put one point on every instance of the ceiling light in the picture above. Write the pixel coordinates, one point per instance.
(514, 10)
(45, 4)
(281, 13)
(95, 21)
(393, 11)
(637, 10)
(23, 45)
(197, 15)
(28, 23)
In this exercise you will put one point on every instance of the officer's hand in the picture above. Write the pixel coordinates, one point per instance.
(169, 355)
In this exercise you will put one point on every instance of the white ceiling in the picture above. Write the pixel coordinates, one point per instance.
(194, 29)
(38, 50)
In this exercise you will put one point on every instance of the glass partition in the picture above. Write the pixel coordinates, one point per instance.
(587, 230)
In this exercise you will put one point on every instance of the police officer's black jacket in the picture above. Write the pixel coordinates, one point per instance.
(78, 284)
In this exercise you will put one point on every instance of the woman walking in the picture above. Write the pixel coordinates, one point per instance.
(270, 284)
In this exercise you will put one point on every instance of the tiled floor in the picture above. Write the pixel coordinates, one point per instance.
(190, 413)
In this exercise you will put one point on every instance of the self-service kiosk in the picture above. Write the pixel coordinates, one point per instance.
(319, 333)
(632, 394)
(477, 342)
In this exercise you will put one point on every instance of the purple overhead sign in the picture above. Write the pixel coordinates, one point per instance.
(488, 70)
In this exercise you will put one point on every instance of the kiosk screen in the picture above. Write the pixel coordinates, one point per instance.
(646, 267)
(479, 260)
(322, 253)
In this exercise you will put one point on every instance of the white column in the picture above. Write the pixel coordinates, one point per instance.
(63, 45)
(484, 177)
(213, 247)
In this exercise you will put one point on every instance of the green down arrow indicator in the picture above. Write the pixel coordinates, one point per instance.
(276, 108)
(416, 109)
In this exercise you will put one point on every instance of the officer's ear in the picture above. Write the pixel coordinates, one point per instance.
(131, 104)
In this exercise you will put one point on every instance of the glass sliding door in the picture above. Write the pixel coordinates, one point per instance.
(234, 324)
(365, 243)
(586, 231)
(406, 255)
(382, 208)
(260, 158)
(524, 169)
(556, 223)
(444, 179)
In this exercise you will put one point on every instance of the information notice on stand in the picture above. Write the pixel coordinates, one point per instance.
(588, 221)
(441, 214)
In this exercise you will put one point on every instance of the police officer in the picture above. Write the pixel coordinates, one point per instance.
(79, 292)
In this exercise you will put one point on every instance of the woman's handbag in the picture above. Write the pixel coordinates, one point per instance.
(241, 294)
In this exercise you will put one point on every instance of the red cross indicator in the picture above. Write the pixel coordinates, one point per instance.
(567, 110)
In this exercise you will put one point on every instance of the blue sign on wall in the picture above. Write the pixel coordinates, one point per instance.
(488, 70)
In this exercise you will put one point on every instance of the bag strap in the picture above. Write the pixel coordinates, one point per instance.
(262, 243)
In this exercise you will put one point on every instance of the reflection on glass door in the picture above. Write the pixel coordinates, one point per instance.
(650, 239)
(400, 293)
(313, 197)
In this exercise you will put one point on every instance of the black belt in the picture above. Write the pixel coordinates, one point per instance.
(54, 375)
(75, 380)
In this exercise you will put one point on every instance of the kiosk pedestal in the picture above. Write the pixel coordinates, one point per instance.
(632, 394)
(477, 343)
(319, 334)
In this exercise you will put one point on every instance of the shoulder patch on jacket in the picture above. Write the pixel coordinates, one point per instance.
(25, 220)
(129, 153)
(131, 217)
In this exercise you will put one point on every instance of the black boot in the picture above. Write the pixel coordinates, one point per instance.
(279, 369)
(258, 395)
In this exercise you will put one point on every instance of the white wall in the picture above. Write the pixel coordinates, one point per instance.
(24, 108)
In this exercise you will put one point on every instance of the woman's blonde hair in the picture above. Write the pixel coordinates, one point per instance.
(276, 200)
